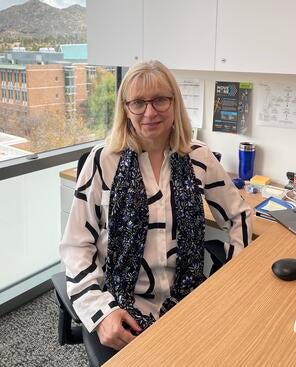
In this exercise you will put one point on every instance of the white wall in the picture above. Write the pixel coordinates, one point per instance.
(275, 147)
(30, 223)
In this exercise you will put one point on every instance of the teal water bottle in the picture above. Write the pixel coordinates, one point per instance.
(246, 160)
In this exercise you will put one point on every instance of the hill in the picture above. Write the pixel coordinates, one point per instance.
(37, 20)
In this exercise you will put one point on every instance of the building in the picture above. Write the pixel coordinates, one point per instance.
(35, 82)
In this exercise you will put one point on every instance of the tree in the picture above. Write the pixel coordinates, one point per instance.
(54, 131)
(101, 102)
(49, 131)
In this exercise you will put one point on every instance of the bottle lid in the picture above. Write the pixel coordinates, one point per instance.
(249, 147)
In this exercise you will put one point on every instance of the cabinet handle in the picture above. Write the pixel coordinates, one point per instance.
(136, 57)
(223, 59)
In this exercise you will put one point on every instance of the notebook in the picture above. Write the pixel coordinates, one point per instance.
(286, 217)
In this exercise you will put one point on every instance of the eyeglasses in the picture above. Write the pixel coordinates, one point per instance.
(160, 104)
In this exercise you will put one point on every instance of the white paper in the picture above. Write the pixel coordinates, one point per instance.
(276, 105)
(192, 91)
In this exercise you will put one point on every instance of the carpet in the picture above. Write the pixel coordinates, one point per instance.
(29, 337)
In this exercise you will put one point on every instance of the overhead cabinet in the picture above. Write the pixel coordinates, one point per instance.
(115, 32)
(256, 36)
(180, 34)
(221, 35)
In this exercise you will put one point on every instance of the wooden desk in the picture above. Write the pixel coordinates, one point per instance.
(241, 316)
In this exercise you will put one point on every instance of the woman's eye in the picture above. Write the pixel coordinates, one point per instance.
(160, 100)
(138, 104)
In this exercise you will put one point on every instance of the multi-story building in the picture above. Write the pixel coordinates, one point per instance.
(35, 82)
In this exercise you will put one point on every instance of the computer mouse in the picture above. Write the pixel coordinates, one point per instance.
(285, 269)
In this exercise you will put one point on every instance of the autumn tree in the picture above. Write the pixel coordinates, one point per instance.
(54, 131)
(101, 103)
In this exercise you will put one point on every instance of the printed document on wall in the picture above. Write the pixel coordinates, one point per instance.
(276, 105)
(192, 91)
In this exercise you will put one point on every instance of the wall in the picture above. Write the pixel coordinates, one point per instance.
(30, 223)
(275, 147)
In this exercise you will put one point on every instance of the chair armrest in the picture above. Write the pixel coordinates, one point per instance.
(216, 250)
(68, 333)
(59, 283)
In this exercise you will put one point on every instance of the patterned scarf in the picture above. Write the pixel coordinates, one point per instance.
(128, 225)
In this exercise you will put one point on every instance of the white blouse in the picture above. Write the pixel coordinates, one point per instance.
(84, 244)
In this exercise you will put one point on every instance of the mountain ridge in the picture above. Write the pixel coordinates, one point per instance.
(37, 20)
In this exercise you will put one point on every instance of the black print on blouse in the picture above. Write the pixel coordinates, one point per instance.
(148, 294)
(112, 304)
(84, 272)
(214, 184)
(244, 229)
(80, 196)
(93, 232)
(93, 265)
(93, 287)
(198, 182)
(98, 211)
(193, 147)
(219, 208)
(174, 213)
(97, 316)
(230, 252)
(199, 164)
(156, 225)
(78, 192)
(155, 197)
(97, 160)
(172, 252)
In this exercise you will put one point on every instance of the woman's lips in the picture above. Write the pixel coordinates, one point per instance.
(151, 123)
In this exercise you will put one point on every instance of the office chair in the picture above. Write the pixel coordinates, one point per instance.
(70, 328)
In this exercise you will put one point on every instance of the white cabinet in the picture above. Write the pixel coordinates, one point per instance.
(256, 36)
(181, 34)
(223, 35)
(114, 32)
(67, 196)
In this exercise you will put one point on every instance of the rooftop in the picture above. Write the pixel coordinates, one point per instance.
(74, 52)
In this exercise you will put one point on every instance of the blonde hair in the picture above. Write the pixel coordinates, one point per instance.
(151, 75)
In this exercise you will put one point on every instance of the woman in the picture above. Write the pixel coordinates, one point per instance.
(134, 243)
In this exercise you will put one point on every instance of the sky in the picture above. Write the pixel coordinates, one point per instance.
(56, 3)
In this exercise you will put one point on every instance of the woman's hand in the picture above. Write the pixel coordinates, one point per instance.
(113, 334)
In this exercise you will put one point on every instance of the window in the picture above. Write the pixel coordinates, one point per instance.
(3, 92)
(24, 97)
(9, 75)
(17, 95)
(62, 100)
(46, 103)
(3, 77)
(16, 76)
(23, 77)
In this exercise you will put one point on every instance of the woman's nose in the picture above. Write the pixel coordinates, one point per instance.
(150, 111)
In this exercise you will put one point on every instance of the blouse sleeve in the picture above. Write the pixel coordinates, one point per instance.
(231, 212)
(79, 248)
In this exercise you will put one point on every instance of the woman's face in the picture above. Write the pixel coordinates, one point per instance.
(151, 125)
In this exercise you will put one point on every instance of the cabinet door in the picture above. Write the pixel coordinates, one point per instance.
(181, 34)
(114, 31)
(256, 36)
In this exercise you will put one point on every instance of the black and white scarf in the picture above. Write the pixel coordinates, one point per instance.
(128, 225)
